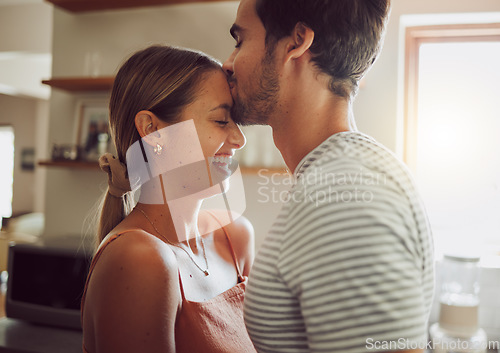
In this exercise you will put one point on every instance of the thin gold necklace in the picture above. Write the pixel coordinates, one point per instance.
(180, 247)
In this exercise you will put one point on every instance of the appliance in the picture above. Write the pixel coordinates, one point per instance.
(46, 281)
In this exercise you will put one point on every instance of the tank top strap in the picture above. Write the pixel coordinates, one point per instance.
(235, 259)
(96, 257)
(183, 296)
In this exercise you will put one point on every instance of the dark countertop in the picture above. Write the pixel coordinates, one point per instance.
(17, 336)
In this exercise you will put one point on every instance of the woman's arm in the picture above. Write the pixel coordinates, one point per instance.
(138, 297)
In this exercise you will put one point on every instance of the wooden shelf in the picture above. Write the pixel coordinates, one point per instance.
(81, 84)
(71, 164)
(264, 170)
(88, 165)
(99, 5)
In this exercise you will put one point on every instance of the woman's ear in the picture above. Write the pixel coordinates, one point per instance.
(146, 122)
(301, 40)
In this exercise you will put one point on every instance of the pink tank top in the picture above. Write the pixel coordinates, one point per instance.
(212, 326)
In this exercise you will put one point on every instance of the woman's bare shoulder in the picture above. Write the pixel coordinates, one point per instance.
(134, 261)
(137, 247)
(134, 289)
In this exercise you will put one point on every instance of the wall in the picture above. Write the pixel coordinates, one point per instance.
(28, 28)
(21, 74)
(25, 55)
(20, 113)
(41, 153)
(25, 49)
(30, 119)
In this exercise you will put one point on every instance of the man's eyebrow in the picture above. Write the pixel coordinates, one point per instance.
(235, 29)
(222, 106)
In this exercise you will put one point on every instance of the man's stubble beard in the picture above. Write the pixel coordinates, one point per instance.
(258, 107)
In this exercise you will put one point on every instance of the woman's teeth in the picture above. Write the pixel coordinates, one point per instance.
(222, 159)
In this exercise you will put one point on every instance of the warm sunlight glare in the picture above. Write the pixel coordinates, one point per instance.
(458, 146)
(6, 170)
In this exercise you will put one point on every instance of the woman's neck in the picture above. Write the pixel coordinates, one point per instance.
(176, 220)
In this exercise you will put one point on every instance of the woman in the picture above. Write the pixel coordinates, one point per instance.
(167, 277)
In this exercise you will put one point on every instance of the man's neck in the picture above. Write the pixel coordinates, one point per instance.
(307, 121)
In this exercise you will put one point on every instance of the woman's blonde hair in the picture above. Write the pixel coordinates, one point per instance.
(159, 79)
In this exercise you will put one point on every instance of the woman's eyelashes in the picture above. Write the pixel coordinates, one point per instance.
(222, 122)
(221, 119)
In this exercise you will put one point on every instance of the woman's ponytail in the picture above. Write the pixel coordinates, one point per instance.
(113, 210)
(118, 201)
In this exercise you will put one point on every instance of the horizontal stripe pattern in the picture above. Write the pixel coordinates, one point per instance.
(338, 269)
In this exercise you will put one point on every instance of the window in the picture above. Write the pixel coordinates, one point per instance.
(452, 137)
(6, 170)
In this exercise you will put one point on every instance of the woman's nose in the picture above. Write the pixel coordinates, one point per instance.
(237, 138)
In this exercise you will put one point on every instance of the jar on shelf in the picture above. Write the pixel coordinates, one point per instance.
(458, 327)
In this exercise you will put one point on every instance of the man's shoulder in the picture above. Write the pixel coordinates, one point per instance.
(353, 175)
(353, 148)
(352, 158)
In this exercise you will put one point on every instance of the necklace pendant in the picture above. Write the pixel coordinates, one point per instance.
(206, 272)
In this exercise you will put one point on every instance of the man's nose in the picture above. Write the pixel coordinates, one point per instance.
(228, 66)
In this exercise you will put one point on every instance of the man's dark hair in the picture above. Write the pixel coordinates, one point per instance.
(347, 34)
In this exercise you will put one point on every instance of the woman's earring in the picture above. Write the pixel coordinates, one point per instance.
(157, 150)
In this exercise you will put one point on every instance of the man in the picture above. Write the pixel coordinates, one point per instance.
(348, 264)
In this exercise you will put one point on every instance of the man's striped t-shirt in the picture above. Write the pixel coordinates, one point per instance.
(348, 264)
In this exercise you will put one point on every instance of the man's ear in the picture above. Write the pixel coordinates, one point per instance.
(301, 40)
(146, 122)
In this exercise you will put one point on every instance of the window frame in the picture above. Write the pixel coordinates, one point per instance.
(415, 36)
